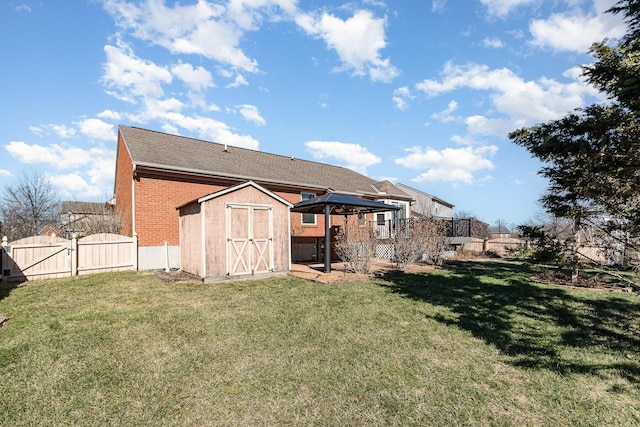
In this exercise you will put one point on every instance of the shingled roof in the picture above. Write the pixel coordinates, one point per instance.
(163, 151)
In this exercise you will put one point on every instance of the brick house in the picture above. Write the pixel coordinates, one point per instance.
(157, 172)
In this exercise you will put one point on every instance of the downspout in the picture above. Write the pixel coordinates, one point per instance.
(133, 200)
(203, 241)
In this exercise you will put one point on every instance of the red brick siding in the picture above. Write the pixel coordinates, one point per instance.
(297, 228)
(157, 219)
(156, 202)
(122, 188)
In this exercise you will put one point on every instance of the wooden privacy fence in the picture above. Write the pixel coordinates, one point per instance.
(500, 247)
(49, 257)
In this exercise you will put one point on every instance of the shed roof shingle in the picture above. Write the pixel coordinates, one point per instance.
(177, 153)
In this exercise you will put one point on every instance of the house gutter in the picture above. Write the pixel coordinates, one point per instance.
(161, 168)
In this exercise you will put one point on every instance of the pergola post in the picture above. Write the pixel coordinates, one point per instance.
(327, 238)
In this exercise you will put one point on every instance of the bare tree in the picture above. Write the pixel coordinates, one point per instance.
(28, 206)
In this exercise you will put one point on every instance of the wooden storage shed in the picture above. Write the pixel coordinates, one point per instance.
(240, 231)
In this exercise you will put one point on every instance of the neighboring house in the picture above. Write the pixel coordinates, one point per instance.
(500, 232)
(427, 205)
(83, 217)
(51, 230)
(78, 218)
(156, 173)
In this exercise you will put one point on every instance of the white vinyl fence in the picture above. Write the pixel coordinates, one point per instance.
(49, 257)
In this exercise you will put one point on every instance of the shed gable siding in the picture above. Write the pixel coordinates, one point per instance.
(216, 228)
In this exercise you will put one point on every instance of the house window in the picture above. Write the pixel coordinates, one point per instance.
(362, 219)
(380, 219)
(308, 218)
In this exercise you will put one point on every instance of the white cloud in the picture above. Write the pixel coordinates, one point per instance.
(391, 179)
(455, 165)
(248, 14)
(352, 156)
(197, 79)
(62, 131)
(98, 163)
(60, 156)
(238, 81)
(97, 129)
(516, 101)
(209, 129)
(102, 171)
(438, 5)
(401, 97)
(575, 31)
(202, 28)
(501, 8)
(322, 103)
(23, 8)
(130, 77)
(154, 108)
(251, 114)
(110, 115)
(74, 186)
(445, 116)
(357, 41)
(492, 43)
(4, 172)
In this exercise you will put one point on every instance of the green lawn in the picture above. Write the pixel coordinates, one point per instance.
(476, 344)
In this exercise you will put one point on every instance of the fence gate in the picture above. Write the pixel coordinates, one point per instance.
(48, 257)
(37, 257)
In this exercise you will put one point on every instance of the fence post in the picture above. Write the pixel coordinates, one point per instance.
(134, 252)
(74, 256)
(5, 242)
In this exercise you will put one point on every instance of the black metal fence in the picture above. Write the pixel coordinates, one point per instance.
(388, 229)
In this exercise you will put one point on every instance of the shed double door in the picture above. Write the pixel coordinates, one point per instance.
(249, 239)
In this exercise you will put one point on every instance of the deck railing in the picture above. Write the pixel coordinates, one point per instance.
(389, 229)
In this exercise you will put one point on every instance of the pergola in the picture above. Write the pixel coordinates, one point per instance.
(338, 204)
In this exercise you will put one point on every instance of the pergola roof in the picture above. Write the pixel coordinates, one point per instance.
(338, 204)
(341, 204)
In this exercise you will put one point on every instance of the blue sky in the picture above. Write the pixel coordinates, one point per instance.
(418, 92)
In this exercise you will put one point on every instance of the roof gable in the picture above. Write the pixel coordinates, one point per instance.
(84, 207)
(415, 192)
(386, 187)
